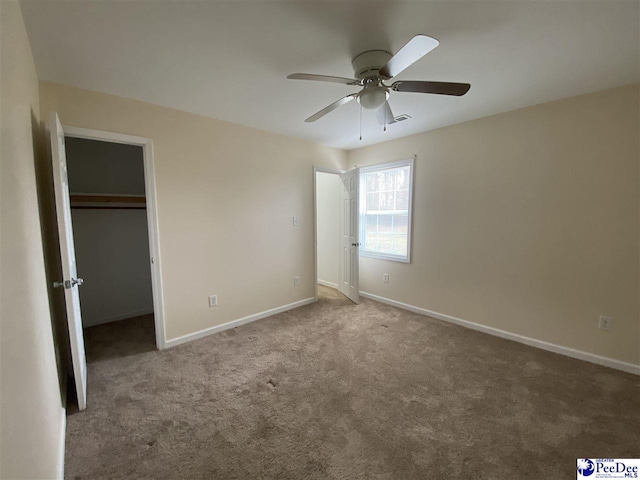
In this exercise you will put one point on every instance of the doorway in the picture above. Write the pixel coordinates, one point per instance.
(111, 239)
(114, 215)
(108, 211)
(117, 173)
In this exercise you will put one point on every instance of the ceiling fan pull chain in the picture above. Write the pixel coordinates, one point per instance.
(361, 122)
(385, 117)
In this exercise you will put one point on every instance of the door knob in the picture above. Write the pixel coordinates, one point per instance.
(68, 283)
(356, 244)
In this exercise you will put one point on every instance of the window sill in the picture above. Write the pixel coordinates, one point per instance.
(382, 256)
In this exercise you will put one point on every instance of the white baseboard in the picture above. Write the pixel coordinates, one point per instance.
(236, 323)
(61, 445)
(569, 352)
(328, 284)
(116, 318)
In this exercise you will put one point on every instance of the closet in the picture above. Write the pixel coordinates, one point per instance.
(108, 210)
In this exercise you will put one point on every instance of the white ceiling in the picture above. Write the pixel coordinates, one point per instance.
(229, 60)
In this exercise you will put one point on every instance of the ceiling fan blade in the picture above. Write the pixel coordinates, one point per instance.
(438, 88)
(384, 114)
(414, 50)
(331, 107)
(323, 78)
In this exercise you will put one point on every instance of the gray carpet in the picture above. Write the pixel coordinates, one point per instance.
(341, 391)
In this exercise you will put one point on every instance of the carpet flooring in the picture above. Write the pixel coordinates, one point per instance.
(334, 390)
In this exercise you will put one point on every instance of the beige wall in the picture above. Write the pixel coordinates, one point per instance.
(31, 412)
(526, 221)
(226, 198)
(329, 200)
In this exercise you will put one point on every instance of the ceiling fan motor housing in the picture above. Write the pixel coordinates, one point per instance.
(367, 65)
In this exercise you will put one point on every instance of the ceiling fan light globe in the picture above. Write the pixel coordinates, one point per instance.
(373, 98)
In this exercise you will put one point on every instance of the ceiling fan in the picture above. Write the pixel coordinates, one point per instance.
(373, 67)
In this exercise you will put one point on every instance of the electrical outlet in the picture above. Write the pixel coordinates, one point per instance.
(385, 277)
(213, 300)
(296, 281)
(295, 221)
(605, 323)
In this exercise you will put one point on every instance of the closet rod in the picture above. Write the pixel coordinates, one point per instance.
(88, 207)
(107, 198)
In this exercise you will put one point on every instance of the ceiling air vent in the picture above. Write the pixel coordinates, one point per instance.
(399, 118)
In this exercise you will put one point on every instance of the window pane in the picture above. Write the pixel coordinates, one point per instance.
(389, 179)
(402, 200)
(385, 223)
(372, 184)
(401, 224)
(371, 223)
(371, 241)
(399, 245)
(372, 202)
(386, 201)
(370, 233)
(379, 176)
(402, 178)
(385, 242)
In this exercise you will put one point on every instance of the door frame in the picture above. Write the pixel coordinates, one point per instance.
(152, 214)
(316, 170)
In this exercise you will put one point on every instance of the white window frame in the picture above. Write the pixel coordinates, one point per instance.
(387, 256)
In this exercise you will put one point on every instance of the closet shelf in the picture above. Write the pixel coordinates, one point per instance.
(107, 201)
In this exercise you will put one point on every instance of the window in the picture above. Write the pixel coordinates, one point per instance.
(385, 210)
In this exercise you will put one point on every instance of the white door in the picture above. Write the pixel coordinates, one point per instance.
(349, 264)
(70, 282)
